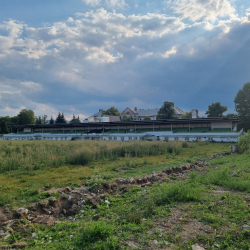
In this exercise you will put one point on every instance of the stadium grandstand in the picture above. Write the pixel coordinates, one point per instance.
(204, 129)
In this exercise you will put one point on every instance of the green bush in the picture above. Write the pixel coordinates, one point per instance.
(185, 145)
(4, 199)
(97, 235)
(244, 142)
(178, 192)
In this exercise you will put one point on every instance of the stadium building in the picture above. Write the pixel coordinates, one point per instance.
(191, 129)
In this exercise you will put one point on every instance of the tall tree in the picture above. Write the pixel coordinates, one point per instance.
(242, 106)
(26, 117)
(6, 129)
(166, 111)
(231, 115)
(38, 120)
(44, 119)
(14, 120)
(51, 121)
(60, 118)
(75, 120)
(216, 110)
(112, 111)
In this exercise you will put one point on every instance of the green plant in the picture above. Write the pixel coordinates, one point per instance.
(97, 235)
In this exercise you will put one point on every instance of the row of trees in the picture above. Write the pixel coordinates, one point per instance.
(241, 100)
(28, 117)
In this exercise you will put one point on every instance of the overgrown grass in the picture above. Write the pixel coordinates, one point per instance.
(36, 155)
(97, 235)
(136, 215)
(178, 192)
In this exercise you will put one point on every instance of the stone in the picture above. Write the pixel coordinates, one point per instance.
(132, 245)
(2, 231)
(69, 198)
(144, 219)
(7, 236)
(34, 235)
(80, 202)
(154, 242)
(9, 223)
(21, 212)
(220, 191)
(2, 235)
(197, 247)
(44, 203)
(164, 243)
(44, 220)
(5, 247)
(169, 171)
(246, 229)
(9, 229)
(20, 245)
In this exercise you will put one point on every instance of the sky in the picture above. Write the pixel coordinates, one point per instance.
(79, 56)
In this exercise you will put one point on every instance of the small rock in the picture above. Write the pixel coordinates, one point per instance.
(7, 236)
(197, 247)
(132, 244)
(163, 243)
(220, 191)
(71, 236)
(9, 229)
(246, 229)
(82, 211)
(92, 194)
(34, 235)
(20, 245)
(69, 198)
(5, 247)
(144, 219)
(154, 242)
(2, 231)
(2, 235)
(9, 223)
(21, 212)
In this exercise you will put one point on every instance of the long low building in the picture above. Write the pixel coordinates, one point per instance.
(205, 129)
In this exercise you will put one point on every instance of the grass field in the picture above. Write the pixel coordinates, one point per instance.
(27, 167)
(210, 208)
